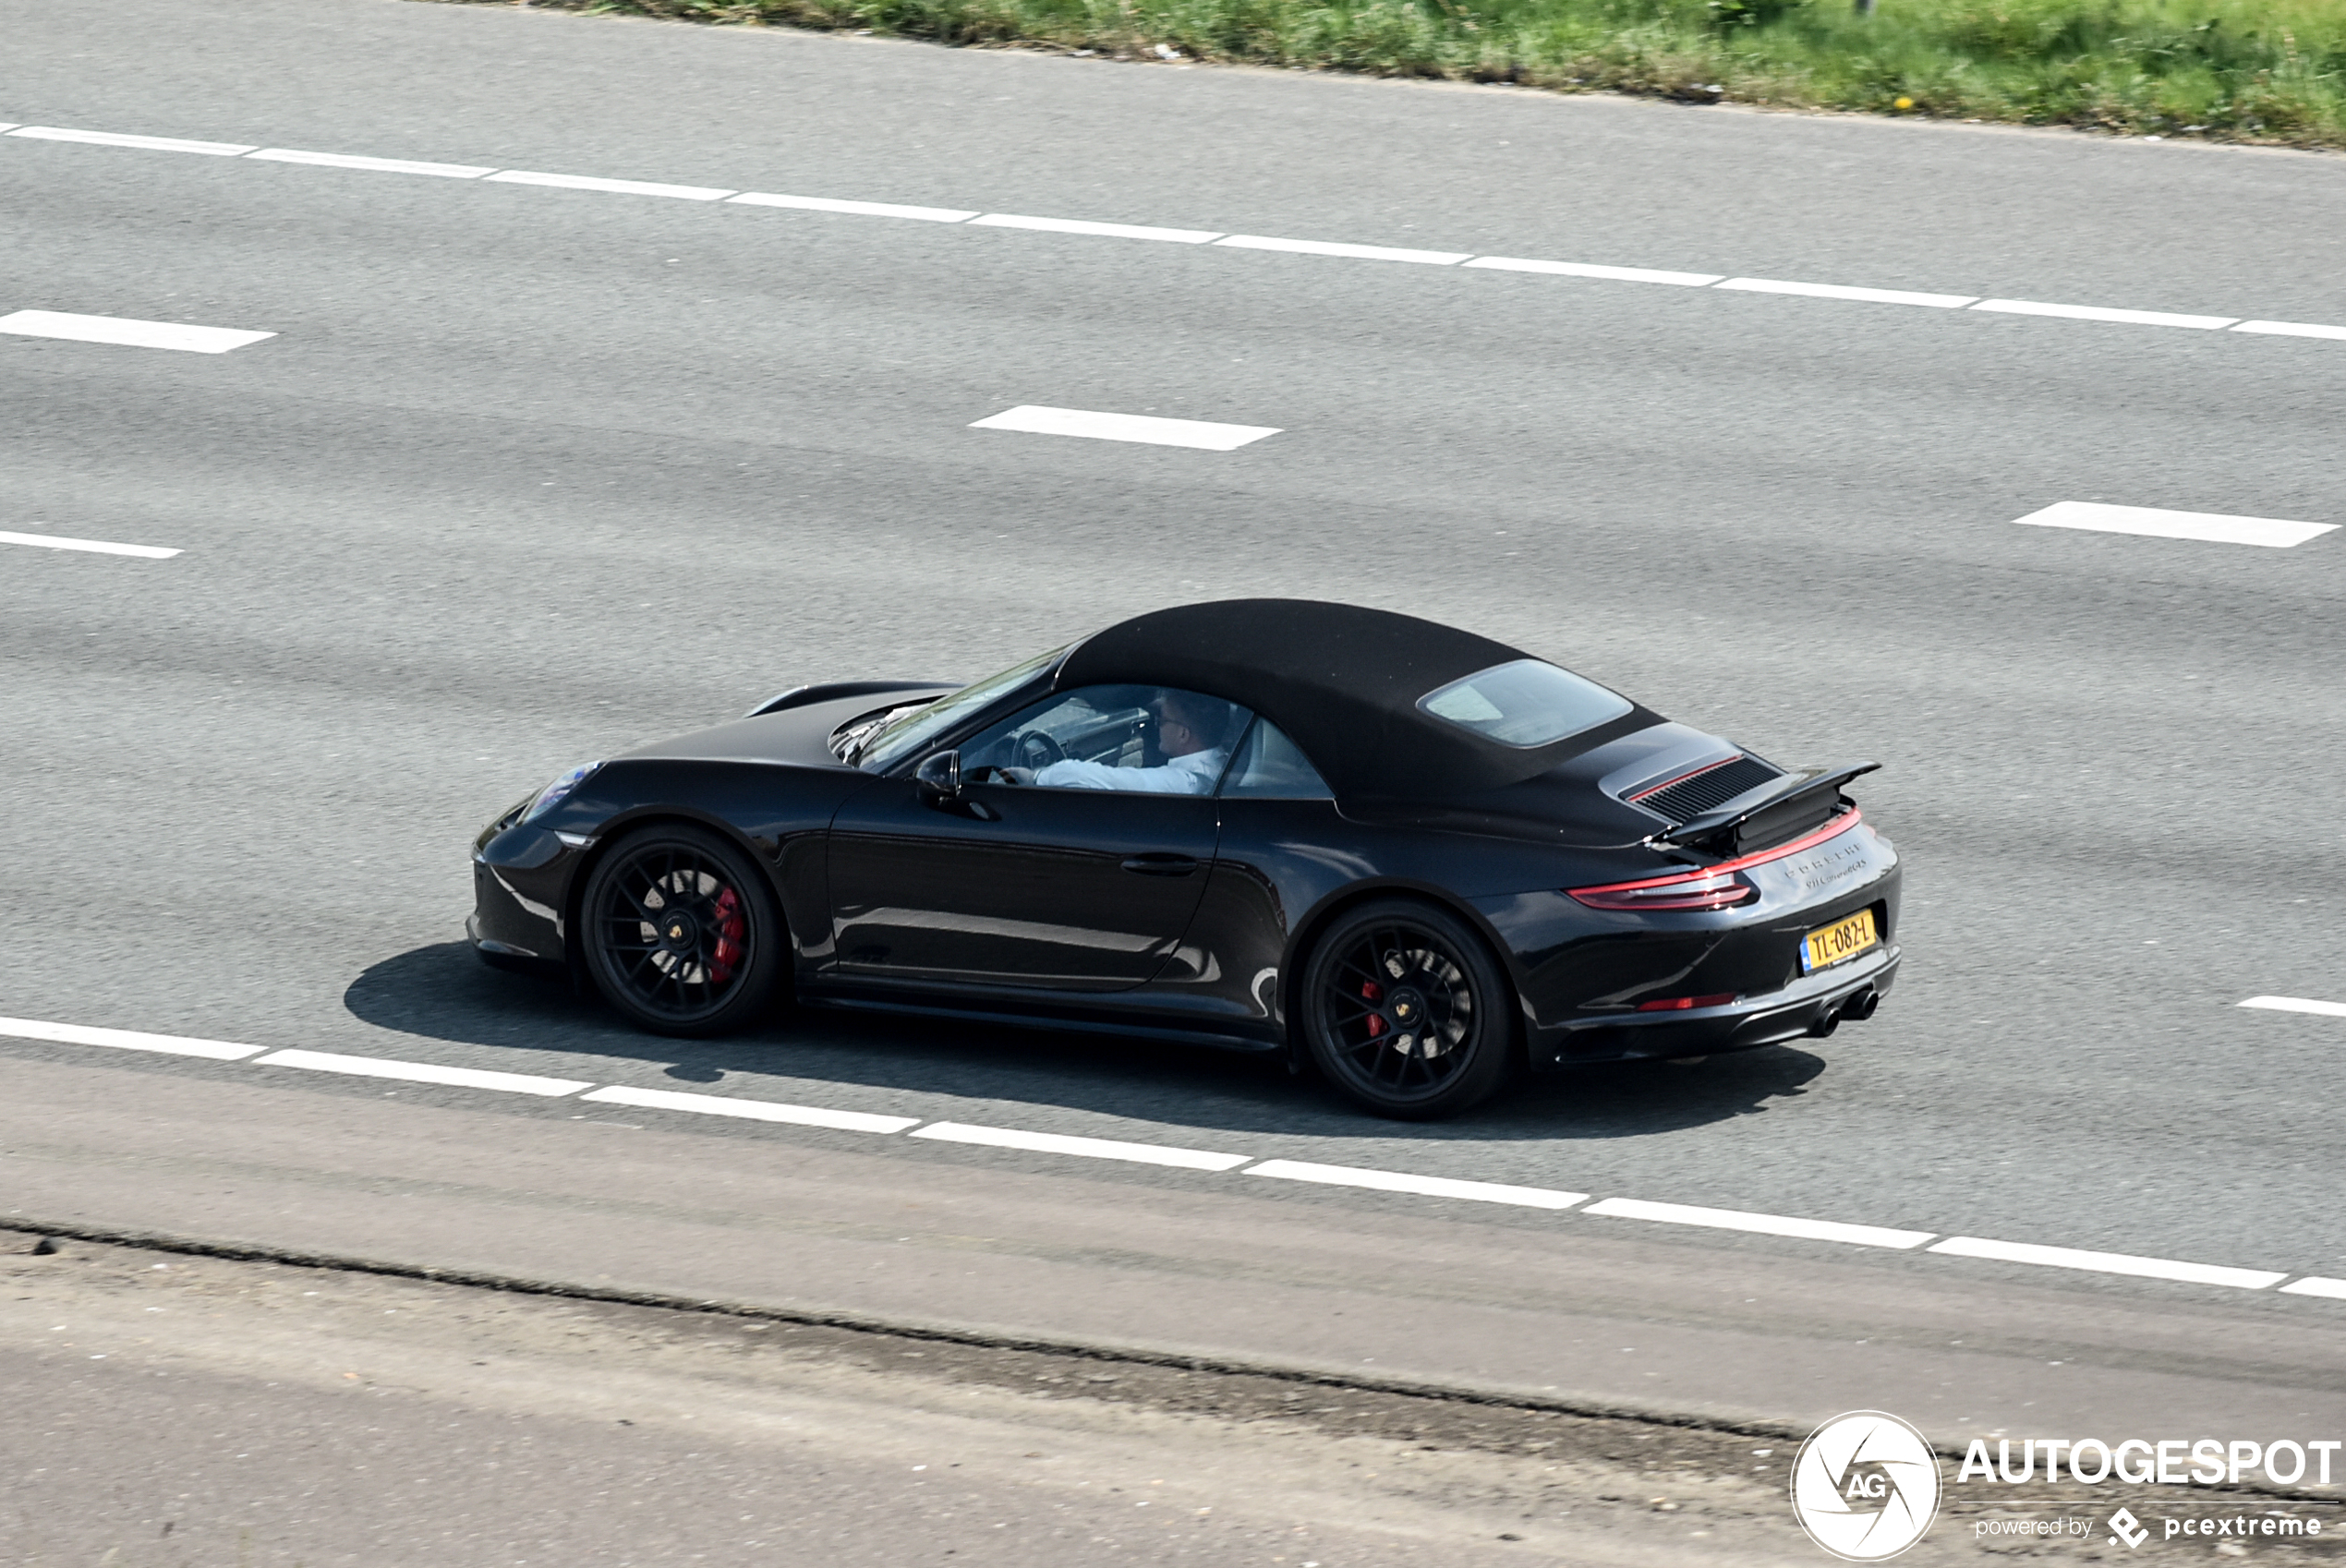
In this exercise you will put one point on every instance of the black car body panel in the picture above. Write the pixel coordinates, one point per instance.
(1187, 915)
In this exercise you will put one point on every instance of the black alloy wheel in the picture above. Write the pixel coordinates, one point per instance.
(1405, 1009)
(682, 933)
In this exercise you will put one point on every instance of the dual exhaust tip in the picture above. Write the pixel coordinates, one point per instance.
(1856, 1008)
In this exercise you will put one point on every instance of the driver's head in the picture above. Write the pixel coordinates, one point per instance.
(1182, 725)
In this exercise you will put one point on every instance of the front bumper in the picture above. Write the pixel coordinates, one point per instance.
(521, 881)
(1793, 1012)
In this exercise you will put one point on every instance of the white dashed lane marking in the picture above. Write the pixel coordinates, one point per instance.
(128, 1040)
(1145, 429)
(611, 187)
(421, 1072)
(96, 547)
(128, 332)
(2106, 1262)
(751, 1110)
(1104, 231)
(2214, 526)
(1425, 1187)
(1200, 1160)
(1355, 252)
(1081, 1148)
(1590, 269)
(2101, 313)
(1197, 237)
(149, 143)
(860, 209)
(2292, 329)
(1758, 1224)
(2298, 1005)
(372, 165)
(1839, 291)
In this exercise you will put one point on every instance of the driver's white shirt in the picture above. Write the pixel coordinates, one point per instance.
(1192, 775)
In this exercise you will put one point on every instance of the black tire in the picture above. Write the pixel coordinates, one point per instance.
(681, 933)
(1403, 1008)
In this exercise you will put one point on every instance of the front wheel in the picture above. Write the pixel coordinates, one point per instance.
(1405, 1009)
(680, 932)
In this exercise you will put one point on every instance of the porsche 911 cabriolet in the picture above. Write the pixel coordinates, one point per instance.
(1407, 854)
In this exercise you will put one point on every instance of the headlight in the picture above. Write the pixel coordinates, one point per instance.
(553, 794)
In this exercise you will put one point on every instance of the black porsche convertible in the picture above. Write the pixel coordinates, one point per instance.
(1411, 854)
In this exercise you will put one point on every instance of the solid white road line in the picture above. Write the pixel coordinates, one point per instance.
(2106, 1262)
(1146, 429)
(1358, 252)
(752, 1110)
(1584, 270)
(1086, 1148)
(2291, 329)
(130, 334)
(421, 1072)
(616, 188)
(1838, 291)
(864, 209)
(379, 165)
(2156, 523)
(2298, 1005)
(1758, 1224)
(99, 547)
(152, 143)
(1427, 1187)
(1200, 236)
(128, 1040)
(2316, 1285)
(1081, 226)
(2098, 313)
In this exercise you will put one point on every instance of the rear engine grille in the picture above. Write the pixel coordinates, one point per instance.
(1688, 798)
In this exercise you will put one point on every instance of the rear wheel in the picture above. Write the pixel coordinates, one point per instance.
(1405, 1009)
(680, 932)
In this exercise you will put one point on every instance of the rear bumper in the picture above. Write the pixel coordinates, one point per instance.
(1798, 1010)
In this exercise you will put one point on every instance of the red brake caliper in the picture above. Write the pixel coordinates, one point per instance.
(1372, 992)
(730, 929)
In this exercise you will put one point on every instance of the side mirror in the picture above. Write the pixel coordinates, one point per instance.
(939, 775)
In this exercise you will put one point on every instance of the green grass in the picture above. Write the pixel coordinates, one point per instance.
(2240, 70)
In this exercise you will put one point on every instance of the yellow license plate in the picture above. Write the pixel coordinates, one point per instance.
(1838, 943)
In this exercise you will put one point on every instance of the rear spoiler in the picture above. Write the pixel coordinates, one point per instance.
(1784, 802)
(800, 697)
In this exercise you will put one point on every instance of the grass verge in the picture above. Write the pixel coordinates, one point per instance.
(2270, 71)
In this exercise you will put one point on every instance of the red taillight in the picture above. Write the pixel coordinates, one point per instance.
(1680, 1004)
(1705, 889)
(1709, 887)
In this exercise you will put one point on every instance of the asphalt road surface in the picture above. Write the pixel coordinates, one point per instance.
(530, 473)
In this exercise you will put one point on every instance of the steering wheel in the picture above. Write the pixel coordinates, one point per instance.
(1037, 750)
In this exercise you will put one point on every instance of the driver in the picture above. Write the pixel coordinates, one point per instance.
(1193, 765)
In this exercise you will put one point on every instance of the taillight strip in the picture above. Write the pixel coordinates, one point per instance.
(1833, 830)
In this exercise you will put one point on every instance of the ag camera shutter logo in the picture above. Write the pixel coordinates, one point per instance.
(1865, 1486)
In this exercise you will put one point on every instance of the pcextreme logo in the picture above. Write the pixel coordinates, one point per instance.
(1865, 1486)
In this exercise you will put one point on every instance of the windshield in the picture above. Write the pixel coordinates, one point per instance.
(1529, 703)
(901, 737)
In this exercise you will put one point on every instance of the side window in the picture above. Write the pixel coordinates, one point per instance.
(1269, 766)
(1143, 740)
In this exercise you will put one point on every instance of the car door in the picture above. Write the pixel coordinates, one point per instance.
(1017, 882)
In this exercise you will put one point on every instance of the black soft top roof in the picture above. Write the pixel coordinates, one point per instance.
(1342, 681)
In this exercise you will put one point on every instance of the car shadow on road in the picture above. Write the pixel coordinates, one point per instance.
(442, 992)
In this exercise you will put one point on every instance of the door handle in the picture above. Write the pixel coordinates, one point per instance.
(1162, 865)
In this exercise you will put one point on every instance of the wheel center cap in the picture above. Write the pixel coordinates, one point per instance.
(679, 931)
(1407, 1006)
